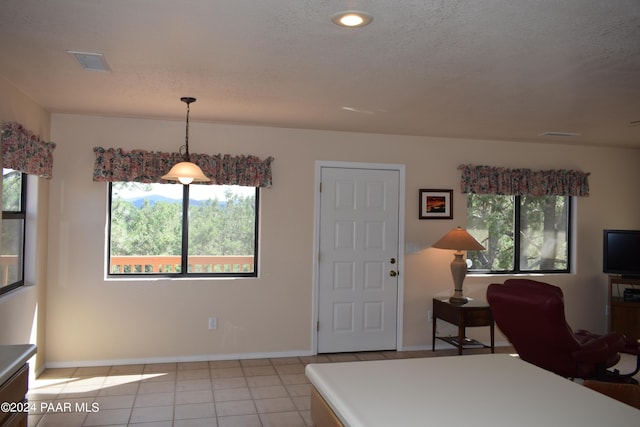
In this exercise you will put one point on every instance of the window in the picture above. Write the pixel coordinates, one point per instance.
(14, 192)
(182, 230)
(521, 234)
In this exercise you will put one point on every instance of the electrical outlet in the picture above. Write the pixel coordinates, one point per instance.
(213, 323)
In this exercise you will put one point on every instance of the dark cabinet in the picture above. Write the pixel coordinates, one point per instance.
(624, 316)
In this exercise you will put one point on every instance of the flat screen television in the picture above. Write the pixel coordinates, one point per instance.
(621, 252)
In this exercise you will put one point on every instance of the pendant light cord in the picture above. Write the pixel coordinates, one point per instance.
(186, 137)
(188, 101)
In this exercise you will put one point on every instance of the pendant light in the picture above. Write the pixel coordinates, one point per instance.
(186, 172)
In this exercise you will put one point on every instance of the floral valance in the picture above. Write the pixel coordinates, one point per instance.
(23, 150)
(495, 180)
(116, 164)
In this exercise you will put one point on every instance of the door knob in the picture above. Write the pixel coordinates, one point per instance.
(393, 273)
(392, 260)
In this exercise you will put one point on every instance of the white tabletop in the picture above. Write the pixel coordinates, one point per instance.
(476, 390)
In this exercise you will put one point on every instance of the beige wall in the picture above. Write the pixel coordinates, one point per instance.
(22, 312)
(92, 320)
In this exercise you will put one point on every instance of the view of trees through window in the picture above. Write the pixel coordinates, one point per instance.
(519, 233)
(13, 219)
(149, 236)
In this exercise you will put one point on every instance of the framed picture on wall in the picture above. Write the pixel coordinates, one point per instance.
(436, 204)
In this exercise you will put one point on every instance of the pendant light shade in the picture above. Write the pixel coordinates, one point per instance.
(186, 172)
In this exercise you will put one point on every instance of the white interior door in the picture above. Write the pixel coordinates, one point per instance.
(358, 259)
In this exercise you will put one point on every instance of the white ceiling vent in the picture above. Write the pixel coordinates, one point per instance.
(91, 61)
(559, 134)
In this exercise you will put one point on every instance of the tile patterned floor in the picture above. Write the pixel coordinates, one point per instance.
(242, 393)
(233, 393)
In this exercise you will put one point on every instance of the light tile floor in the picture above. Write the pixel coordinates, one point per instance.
(245, 393)
(233, 393)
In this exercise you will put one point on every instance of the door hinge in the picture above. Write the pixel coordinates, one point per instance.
(318, 325)
(321, 186)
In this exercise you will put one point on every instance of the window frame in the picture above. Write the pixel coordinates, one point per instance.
(21, 215)
(184, 273)
(517, 203)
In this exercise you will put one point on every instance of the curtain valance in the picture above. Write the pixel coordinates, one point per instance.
(22, 150)
(116, 164)
(504, 181)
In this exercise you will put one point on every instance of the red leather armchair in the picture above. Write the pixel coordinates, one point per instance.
(531, 315)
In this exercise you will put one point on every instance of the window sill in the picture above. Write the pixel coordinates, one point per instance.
(16, 292)
(519, 274)
(175, 279)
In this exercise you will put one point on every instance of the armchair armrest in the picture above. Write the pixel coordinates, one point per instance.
(591, 352)
(596, 349)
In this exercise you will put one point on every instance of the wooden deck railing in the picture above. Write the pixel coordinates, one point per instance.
(171, 264)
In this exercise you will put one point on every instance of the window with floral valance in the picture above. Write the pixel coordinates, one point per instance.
(522, 217)
(505, 181)
(116, 164)
(24, 151)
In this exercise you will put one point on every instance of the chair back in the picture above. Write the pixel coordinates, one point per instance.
(535, 285)
(531, 316)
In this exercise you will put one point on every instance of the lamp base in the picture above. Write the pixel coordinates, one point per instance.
(458, 271)
(458, 300)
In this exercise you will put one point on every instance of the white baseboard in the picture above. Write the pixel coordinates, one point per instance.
(212, 357)
(440, 345)
(176, 359)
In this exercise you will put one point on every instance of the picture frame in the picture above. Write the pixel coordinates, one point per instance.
(436, 204)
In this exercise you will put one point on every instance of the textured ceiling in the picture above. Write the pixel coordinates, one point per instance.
(490, 69)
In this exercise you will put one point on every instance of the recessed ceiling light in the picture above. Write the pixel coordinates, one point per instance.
(91, 61)
(352, 19)
(559, 134)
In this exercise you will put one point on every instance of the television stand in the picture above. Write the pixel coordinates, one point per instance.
(624, 316)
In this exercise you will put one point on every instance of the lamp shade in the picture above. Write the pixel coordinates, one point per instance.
(186, 173)
(459, 240)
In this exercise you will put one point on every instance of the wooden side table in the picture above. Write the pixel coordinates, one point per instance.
(473, 313)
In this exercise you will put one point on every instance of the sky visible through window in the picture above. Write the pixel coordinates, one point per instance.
(174, 191)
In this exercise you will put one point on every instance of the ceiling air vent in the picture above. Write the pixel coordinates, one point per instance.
(559, 134)
(91, 61)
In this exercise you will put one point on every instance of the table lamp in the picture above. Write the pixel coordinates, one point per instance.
(458, 240)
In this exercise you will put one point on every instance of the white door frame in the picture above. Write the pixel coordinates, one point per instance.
(316, 242)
